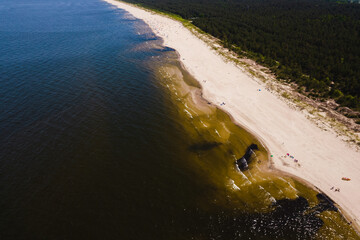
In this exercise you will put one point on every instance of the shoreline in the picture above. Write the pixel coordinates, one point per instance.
(278, 127)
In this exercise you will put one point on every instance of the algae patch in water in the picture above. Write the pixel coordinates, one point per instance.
(278, 205)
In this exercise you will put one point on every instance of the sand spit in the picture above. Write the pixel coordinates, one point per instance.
(316, 155)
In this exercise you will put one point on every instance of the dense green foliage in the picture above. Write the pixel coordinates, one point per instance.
(315, 43)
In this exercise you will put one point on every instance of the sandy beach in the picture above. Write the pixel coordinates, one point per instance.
(319, 156)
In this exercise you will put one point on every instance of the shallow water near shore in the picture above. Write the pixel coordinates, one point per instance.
(105, 136)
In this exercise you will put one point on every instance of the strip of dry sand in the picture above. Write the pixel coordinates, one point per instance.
(323, 158)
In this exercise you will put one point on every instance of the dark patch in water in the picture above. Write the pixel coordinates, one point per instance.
(289, 219)
(294, 218)
(325, 203)
(243, 162)
(204, 146)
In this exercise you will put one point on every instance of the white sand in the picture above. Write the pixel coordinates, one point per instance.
(324, 159)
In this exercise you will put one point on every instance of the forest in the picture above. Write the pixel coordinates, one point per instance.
(314, 43)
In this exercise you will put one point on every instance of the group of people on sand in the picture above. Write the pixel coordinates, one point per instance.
(292, 157)
(336, 189)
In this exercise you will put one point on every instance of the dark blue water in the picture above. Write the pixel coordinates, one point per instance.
(83, 123)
